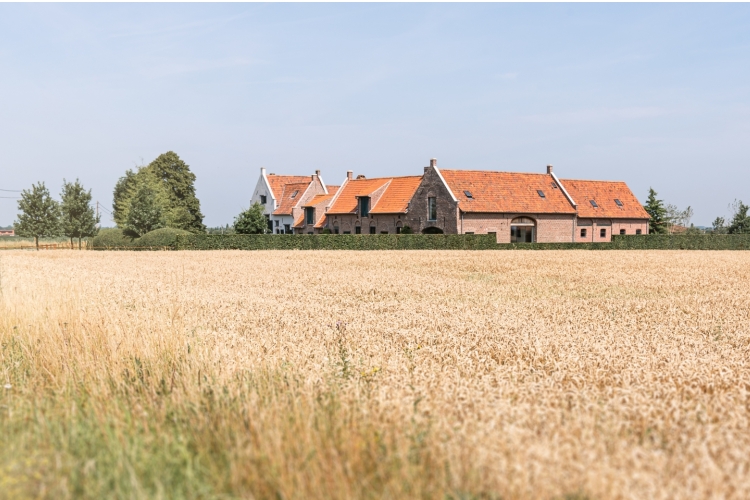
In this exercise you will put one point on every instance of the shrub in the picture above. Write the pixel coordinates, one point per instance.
(111, 238)
(160, 238)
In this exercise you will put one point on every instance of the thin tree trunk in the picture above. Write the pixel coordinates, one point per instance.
(79, 243)
(71, 243)
(36, 240)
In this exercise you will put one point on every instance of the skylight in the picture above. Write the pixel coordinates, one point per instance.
(619, 203)
(541, 193)
(295, 193)
(468, 194)
(593, 204)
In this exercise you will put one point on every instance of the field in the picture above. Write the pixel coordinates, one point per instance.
(413, 374)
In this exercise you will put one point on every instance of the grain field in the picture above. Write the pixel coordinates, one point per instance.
(388, 375)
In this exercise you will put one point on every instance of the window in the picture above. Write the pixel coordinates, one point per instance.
(618, 202)
(603, 233)
(347, 232)
(364, 206)
(469, 232)
(287, 229)
(269, 223)
(492, 232)
(554, 185)
(309, 232)
(593, 204)
(278, 231)
(336, 230)
(431, 208)
(372, 229)
(294, 194)
(638, 231)
(622, 231)
(276, 223)
(540, 193)
(262, 199)
(468, 194)
(383, 232)
(522, 230)
(309, 215)
(583, 232)
(398, 230)
(357, 229)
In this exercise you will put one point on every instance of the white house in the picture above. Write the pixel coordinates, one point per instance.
(283, 197)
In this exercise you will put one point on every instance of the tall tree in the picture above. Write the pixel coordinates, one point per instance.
(124, 191)
(719, 225)
(740, 223)
(40, 214)
(145, 213)
(657, 223)
(179, 183)
(251, 221)
(78, 219)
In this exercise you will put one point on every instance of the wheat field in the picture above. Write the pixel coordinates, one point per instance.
(412, 374)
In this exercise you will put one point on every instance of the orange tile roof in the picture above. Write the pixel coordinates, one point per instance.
(604, 194)
(506, 192)
(286, 203)
(277, 183)
(346, 203)
(319, 198)
(397, 195)
(321, 222)
(298, 222)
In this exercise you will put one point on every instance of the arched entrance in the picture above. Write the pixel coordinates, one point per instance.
(432, 230)
(523, 230)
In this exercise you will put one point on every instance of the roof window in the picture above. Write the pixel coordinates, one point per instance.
(468, 194)
(593, 204)
(554, 185)
(294, 194)
(619, 203)
(540, 193)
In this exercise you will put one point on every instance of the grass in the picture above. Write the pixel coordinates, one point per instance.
(410, 374)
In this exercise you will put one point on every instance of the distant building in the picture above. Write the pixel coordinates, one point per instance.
(7, 232)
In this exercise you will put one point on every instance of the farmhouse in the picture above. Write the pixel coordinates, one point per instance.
(283, 197)
(515, 207)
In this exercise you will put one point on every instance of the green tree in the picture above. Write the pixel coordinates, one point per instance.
(740, 223)
(719, 225)
(40, 214)
(124, 191)
(251, 221)
(78, 219)
(657, 223)
(178, 182)
(407, 230)
(145, 213)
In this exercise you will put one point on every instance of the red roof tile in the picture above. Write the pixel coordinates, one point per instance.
(277, 183)
(604, 193)
(397, 195)
(346, 203)
(506, 192)
(291, 194)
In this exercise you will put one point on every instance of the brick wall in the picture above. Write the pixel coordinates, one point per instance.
(447, 209)
(382, 223)
(594, 227)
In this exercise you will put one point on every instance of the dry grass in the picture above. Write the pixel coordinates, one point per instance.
(15, 242)
(375, 374)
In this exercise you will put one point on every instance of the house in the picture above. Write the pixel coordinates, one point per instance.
(523, 207)
(7, 232)
(313, 219)
(283, 197)
(371, 206)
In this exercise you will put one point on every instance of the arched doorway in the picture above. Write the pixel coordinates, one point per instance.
(523, 230)
(432, 230)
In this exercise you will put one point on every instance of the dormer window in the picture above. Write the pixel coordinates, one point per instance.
(364, 206)
(262, 199)
(468, 194)
(309, 216)
(618, 202)
(294, 194)
(540, 193)
(593, 204)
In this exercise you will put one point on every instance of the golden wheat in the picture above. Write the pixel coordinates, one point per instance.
(325, 374)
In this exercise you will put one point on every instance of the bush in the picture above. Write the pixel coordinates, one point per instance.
(160, 238)
(111, 238)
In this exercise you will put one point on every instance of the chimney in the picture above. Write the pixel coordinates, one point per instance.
(549, 169)
(426, 169)
(262, 171)
(349, 174)
(317, 172)
(433, 163)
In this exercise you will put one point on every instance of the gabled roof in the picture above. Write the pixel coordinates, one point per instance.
(291, 194)
(397, 195)
(277, 183)
(319, 198)
(506, 192)
(346, 202)
(604, 193)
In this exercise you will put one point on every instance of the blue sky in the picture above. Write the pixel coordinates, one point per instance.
(655, 95)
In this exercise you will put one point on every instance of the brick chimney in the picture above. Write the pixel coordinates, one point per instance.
(549, 169)
(317, 172)
(433, 163)
(349, 174)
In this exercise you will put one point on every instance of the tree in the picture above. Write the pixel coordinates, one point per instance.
(145, 213)
(40, 214)
(407, 230)
(78, 219)
(740, 223)
(124, 191)
(719, 225)
(657, 223)
(179, 183)
(251, 221)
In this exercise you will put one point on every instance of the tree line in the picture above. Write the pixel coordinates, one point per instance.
(665, 217)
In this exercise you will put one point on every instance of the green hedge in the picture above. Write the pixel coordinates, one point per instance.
(336, 242)
(681, 242)
(111, 238)
(159, 239)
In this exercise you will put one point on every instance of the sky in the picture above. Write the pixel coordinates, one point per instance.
(656, 95)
